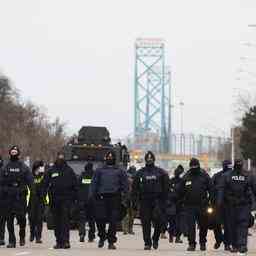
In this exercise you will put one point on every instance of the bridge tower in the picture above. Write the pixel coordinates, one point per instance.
(152, 92)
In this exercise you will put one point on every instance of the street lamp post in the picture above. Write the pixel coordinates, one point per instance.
(181, 117)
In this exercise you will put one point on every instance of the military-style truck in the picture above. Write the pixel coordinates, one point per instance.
(91, 144)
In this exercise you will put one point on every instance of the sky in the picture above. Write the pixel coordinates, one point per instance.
(76, 57)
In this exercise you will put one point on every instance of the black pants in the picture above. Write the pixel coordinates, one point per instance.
(61, 220)
(2, 227)
(146, 214)
(227, 226)
(111, 207)
(21, 218)
(85, 216)
(218, 233)
(239, 217)
(174, 228)
(36, 214)
(196, 215)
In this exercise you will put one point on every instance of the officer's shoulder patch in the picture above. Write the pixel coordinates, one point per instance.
(55, 174)
(188, 183)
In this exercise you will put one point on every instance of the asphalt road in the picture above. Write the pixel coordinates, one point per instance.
(128, 245)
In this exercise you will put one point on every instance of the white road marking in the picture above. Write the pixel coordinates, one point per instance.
(22, 253)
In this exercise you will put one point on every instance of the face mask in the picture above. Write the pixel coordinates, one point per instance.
(110, 162)
(150, 163)
(14, 157)
(60, 161)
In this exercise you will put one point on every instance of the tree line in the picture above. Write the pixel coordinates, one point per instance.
(27, 125)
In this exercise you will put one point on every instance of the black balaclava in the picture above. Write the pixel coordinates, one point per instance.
(150, 159)
(238, 166)
(60, 161)
(178, 171)
(110, 158)
(194, 165)
(226, 165)
(88, 169)
(14, 153)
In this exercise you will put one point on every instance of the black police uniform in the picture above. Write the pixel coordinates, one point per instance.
(149, 191)
(223, 212)
(196, 189)
(236, 190)
(85, 205)
(175, 222)
(37, 204)
(2, 218)
(61, 184)
(14, 180)
(108, 186)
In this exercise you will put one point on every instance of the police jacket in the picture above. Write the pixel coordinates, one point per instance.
(84, 184)
(60, 183)
(174, 184)
(237, 188)
(196, 188)
(109, 180)
(38, 187)
(217, 180)
(15, 178)
(150, 182)
(171, 201)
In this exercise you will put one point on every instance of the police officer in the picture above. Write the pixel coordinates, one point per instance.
(14, 180)
(109, 187)
(196, 190)
(175, 223)
(150, 189)
(127, 224)
(84, 204)
(2, 218)
(223, 212)
(61, 184)
(37, 203)
(236, 190)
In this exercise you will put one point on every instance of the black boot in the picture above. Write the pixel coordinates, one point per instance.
(155, 245)
(101, 243)
(2, 242)
(217, 245)
(38, 241)
(22, 241)
(243, 249)
(147, 247)
(111, 246)
(202, 247)
(81, 239)
(58, 246)
(66, 245)
(11, 245)
(178, 240)
(191, 248)
(32, 237)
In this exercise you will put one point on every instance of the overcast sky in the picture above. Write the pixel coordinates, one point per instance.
(76, 57)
